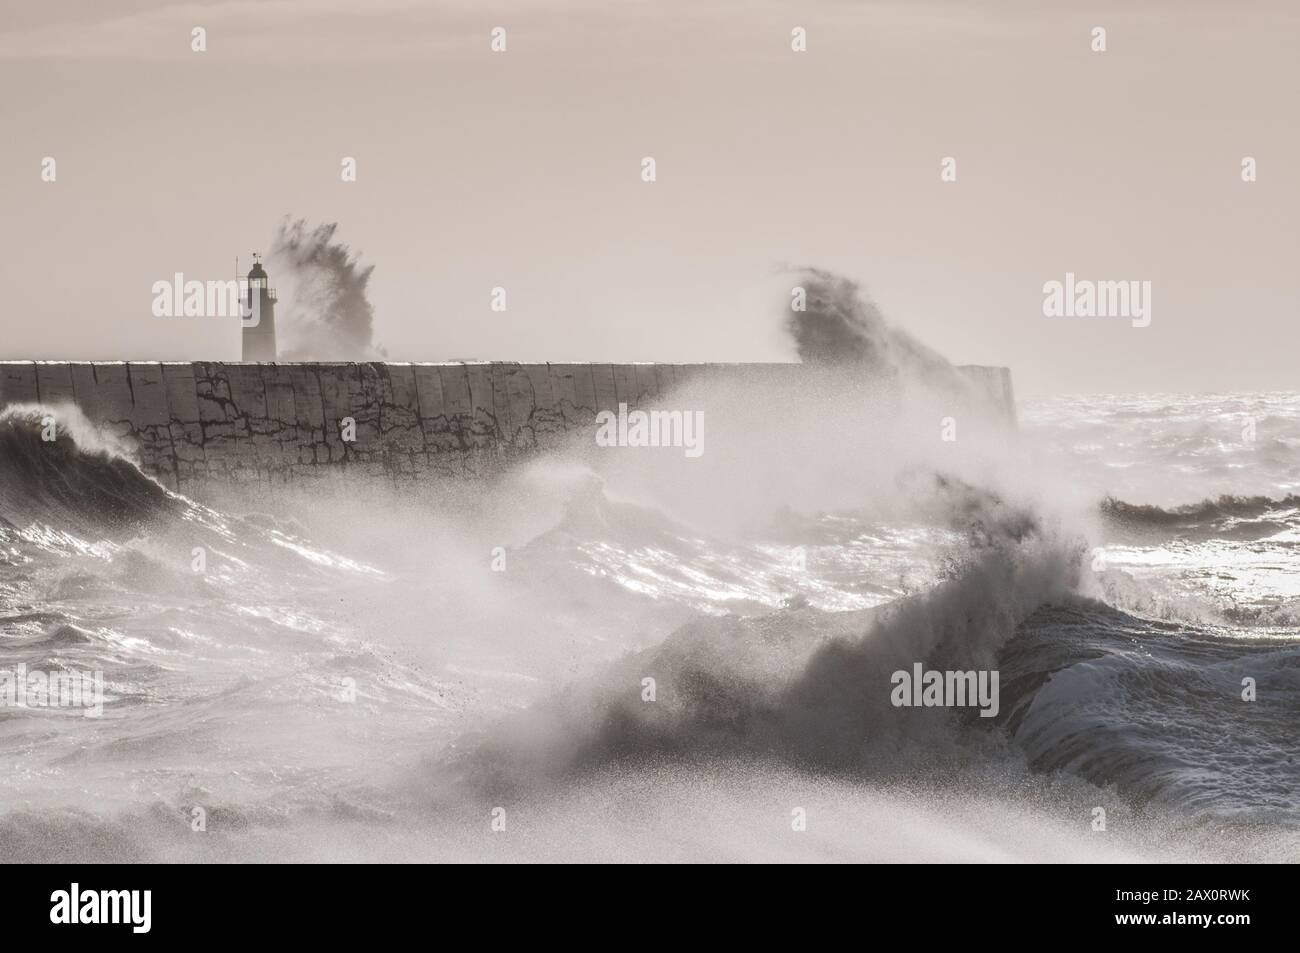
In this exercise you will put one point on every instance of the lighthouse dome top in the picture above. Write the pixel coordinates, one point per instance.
(257, 272)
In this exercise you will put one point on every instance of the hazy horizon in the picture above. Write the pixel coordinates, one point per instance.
(521, 170)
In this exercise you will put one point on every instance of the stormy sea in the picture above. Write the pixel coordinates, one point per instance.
(636, 655)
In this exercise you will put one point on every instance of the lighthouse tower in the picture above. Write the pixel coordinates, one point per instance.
(259, 338)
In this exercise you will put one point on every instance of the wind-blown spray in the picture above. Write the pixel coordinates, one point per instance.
(840, 325)
(325, 314)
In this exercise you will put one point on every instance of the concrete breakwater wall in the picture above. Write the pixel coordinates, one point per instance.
(190, 423)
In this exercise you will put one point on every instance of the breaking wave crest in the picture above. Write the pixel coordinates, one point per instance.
(808, 687)
(1198, 515)
(78, 481)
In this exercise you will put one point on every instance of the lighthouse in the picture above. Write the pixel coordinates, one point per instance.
(259, 327)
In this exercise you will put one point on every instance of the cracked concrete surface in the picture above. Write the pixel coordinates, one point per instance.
(192, 422)
(269, 423)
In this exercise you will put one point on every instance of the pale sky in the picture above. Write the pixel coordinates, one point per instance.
(522, 169)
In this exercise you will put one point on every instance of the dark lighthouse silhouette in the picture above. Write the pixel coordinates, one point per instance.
(259, 339)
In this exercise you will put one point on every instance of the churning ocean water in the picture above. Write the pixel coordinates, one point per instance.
(646, 657)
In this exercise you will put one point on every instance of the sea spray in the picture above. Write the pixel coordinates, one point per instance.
(325, 312)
